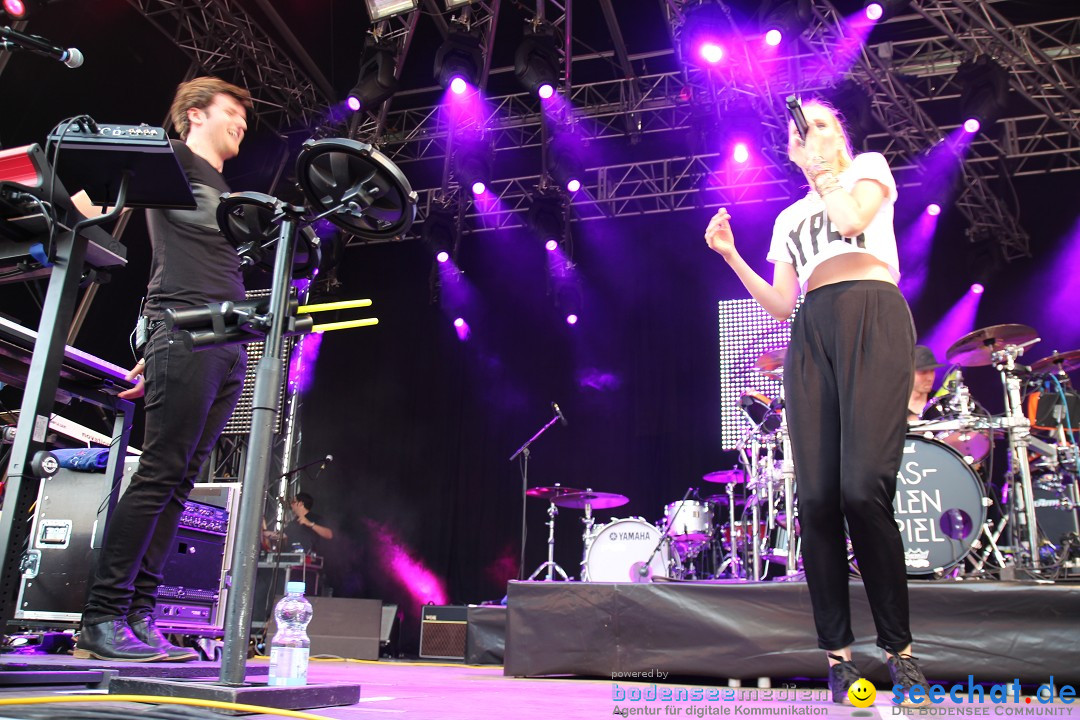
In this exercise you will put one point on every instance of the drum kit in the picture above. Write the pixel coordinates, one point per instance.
(750, 529)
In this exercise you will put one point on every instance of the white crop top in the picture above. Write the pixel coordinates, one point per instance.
(804, 236)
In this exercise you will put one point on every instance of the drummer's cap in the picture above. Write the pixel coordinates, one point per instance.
(924, 358)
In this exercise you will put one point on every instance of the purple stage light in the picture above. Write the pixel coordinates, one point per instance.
(478, 187)
(353, 103)
(545, 91)
(442, 256)
(571, 319)
(741, 153)
(933, 209)
(874, 11)
(15, 8)
(458, 85)
(462, 329)
(573, 185)
(711, 52)
(972, 125)
(773, 37)
(459, 322)
(977, 288)
(551, 245)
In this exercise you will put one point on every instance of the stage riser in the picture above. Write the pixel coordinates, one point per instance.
(994, 631)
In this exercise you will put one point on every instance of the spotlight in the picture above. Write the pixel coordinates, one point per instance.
(878, 10)
(773, 37)
(785, 21)
(380, 9)
(459, 59)
(547, 218)
(741, 153)
(551, 244)
(472, 164)
(461, 328)
(458, 84)
(568, 298)
(571, 319)
(933, 209)
(703, 28)
(15, 8)
(376, 81)
(536, 62)
(442, 256)
(439, 232)
(459, 322)
(985, 92)
(565, 160)
(977, 288)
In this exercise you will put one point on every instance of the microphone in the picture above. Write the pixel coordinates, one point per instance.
(326, 461)
(558, 412)
(795, 110)
(39, 45)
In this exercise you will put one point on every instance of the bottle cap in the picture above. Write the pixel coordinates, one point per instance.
(295, 587)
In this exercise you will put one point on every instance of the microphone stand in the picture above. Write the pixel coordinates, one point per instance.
(523, 451)
(643, 568)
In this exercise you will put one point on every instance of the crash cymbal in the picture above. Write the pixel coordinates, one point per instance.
(595, 500)
(772, 361)
(976, 348)
(722, 499)
(551, 491)
(1065, 362)
(725, 476)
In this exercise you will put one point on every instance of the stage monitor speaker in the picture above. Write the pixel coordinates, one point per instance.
(442, 631)
(342, 627)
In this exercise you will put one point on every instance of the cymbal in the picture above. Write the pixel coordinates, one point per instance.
(772, 361)
(976, 348)
(722, 499)
(595, 500)
(725, 476)
(551, 491)
(1068, 361)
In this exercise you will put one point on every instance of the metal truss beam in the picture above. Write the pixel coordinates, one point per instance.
(222, 39)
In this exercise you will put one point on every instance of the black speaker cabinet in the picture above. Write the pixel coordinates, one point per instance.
(442, 631)
(341, 627)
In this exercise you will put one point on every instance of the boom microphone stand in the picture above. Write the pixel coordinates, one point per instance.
(523, 452)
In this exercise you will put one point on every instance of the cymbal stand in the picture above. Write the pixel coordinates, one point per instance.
(991, 547)
(787, 471)
(587, 538)
(551, 566)
(1019, 430)
(643, 568)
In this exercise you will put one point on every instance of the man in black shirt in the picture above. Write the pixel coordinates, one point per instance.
(307, 528)
(189, 395)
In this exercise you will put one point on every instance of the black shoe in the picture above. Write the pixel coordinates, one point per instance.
(145, 630)
(905, 672)
(842, 676)
(113, 640)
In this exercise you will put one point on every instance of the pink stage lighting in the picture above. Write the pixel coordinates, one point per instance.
(933, 209)
(712, 53)
(15, 8)
(459, 322)
(353, 103)
(574, 185)
(545, 91)
(462, 329)
(478, 188)
(551, 245)
(972, 125)
(874, 11)
(741, 153)
(773, 37)
(571, 319)
(443, 256)
(977, 288)
(458, 85)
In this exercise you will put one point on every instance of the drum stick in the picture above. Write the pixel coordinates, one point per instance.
(326, 307)
(345, 325)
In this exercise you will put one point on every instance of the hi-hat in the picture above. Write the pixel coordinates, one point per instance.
(772, 362)
(725, 476)
(595, 500)
(551, 491)
(977, 348)
(1066, 362)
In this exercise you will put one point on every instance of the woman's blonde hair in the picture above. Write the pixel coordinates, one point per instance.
(199, 93)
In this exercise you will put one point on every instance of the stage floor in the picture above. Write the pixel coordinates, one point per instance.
(425, 691)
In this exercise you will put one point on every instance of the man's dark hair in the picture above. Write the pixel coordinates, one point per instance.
(305, 499)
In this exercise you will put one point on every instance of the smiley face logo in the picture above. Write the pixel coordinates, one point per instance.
(862, 693)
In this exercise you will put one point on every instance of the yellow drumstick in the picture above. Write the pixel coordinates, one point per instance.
(345, 324)
(326, 307)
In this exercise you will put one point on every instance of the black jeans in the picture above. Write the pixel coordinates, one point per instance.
(189, 398)
(847, 379)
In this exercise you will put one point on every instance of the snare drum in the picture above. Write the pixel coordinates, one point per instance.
(691, 522)
(617, 553)
(939, 507)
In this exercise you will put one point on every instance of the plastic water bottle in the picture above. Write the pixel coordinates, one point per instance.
(289, 646)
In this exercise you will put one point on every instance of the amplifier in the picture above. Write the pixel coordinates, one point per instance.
(443, 631)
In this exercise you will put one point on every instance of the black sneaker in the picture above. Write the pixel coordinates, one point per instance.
(842, 676)
(904, 671)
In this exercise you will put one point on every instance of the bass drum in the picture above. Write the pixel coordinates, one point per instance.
(617, 553)
(940, 506)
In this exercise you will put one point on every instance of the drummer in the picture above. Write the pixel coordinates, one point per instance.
(926, 366)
